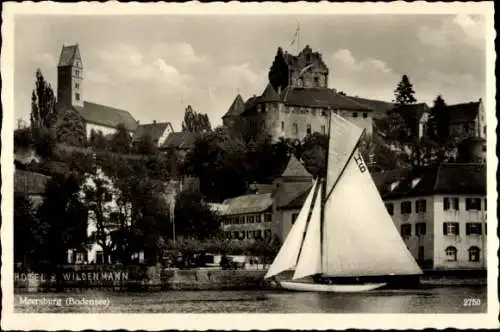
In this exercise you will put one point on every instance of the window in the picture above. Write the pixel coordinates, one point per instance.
(294, 217)
(450, 203)
(267, 217)
(282, 125)
(451, 253)
(390, 208)
(249, 234)
(267, 234)
(485, 206)
(295, 128)
(365, 115)
(406, 207)
(323, 129)
(472, 204)
(451, 228)
(316, 80)
(406, 230)
(77, 73)
(77, 85)
(313, 111)
(308, 128)
(77, 96)
(242, 220)
(484, 130)
(258, 234)
(258, 218)
(99, 257)
(473, 228)
(250, 219)
(420, 228)
(355, 114)
(474, 254)
(421, 206)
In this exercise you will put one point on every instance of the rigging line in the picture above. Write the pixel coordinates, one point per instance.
(345, 165)
(308, 220)
(322, 216)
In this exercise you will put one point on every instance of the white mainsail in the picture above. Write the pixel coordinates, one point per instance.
(289, 251)
(343, 138)
(359, 236)
(309, 262)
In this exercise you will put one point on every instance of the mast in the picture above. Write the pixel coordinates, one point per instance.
(323, 188)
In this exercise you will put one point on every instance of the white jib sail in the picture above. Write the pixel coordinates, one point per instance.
(289, 251)
(344, 136)
(309, 262)
(359, 235)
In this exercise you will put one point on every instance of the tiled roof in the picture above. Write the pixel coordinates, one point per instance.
(269, 95)
(411, 111)
(30, 183)
(261, 188)
(320, 98)
(155, 130)
(236, 108)
(248, 204)
(106, 116)
(466, 112)
(379, 107)
(295, 169)
(451, 178)
(183, 140)
(68, 55)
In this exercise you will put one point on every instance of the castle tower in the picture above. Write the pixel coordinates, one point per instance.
(307, 69)
(70, 77)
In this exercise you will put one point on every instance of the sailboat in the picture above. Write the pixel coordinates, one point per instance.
(343, 239)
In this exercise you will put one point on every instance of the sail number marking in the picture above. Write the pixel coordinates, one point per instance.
(359, 161)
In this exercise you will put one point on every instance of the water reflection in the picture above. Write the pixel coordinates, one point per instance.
(434, 300)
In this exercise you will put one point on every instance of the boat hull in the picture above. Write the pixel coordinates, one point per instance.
(337, 288)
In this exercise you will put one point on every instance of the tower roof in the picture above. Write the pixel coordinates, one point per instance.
(295, 169)
(269, 95)
(68, 55)
(236, 108)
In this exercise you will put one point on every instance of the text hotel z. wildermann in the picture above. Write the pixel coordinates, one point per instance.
(73, 276)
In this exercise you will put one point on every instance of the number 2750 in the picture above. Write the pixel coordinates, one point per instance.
(470, 302)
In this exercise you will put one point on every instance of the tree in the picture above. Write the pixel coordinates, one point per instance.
(312, 151)
(439, 121)
(25, 230)
(43, 103)
(219, 161)
(97, 140)
(195, 122)
(278, 73)
(121, 141)
(43, 141)
(146, 145)
(404, 93)
(63, 221)
(70, 128)
(193, 217)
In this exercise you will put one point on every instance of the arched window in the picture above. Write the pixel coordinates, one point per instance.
(474, 254)
(451, 253)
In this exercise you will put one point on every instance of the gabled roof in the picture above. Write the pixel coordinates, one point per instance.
(183, 140)
(247, 204)
(295, 169)
(298, 201)
(320, 98)
(106, 116)
(379, 107)
(465, 112)
(450, 178)
(68, 55)
(236, 108)
(155, 130)
(269, 95)
(289, 191)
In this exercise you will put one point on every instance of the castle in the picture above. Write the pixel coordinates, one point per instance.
(302, 107)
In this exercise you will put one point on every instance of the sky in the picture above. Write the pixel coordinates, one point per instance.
(154, 66)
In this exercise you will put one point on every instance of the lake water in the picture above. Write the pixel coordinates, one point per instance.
(455, 299)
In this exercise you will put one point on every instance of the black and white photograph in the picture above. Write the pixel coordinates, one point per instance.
(249, 159)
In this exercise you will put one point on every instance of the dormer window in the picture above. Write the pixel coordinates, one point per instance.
(394, 185)
(414, 182)
(355, 114)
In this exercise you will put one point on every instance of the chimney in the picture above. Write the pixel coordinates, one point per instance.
(138, 122)
(154, 121)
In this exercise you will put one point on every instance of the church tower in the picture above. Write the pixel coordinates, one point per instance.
(70, 77)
